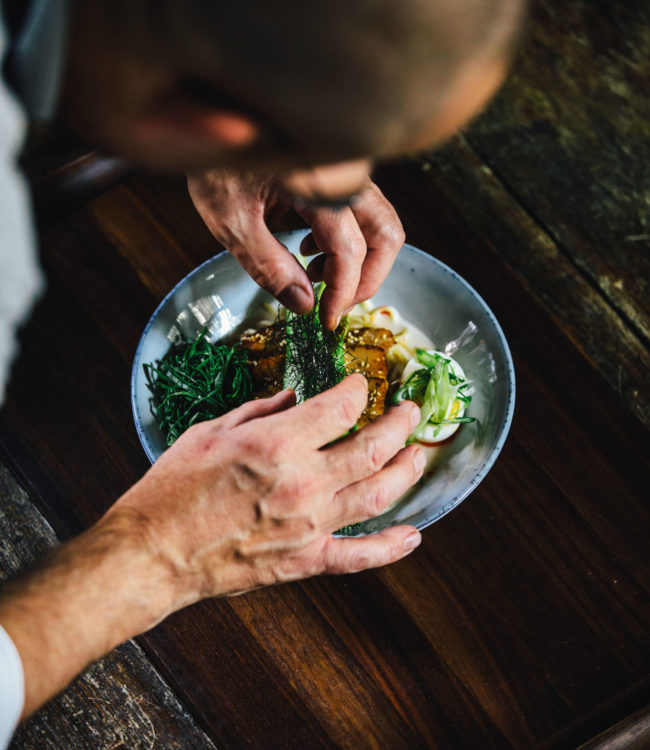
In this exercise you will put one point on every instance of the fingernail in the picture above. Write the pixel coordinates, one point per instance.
(412, 541)
(419, 461)
(331, 324)
(296, 298)
(414, 416)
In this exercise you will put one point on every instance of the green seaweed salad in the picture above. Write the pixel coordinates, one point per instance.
(198, 380)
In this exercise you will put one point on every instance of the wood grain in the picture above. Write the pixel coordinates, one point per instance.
(458, 176)
(576, 115)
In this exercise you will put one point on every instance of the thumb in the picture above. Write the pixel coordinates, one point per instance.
(274, 268)
(352, 555)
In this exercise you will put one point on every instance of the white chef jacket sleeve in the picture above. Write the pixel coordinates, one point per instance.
(12, 688)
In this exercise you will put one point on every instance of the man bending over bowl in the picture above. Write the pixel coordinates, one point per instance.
(260, 103)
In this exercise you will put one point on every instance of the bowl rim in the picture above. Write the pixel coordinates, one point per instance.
(144, 440)
(506, 422)
(502, 432)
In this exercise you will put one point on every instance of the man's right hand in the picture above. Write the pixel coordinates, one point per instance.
(252, 498)
(246, 500)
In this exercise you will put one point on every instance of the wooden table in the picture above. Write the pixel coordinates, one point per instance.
(522, 620)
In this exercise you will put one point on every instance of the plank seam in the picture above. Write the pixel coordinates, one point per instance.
(563, 249)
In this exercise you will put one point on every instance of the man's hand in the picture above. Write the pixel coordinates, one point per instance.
(252, 498)
(246, 500)
(355, 246)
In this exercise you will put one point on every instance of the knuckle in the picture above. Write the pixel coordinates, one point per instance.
(379, 500)
(320, 409)
(356, 246)
(391, 235)
(304, 529)
(200, 438)
(246, 444)
(274, 450)
(292, 493)
(373, 455)
(348, 411)
(270, 274)
(416, 463)
(300, 488)
(199, 431)
(362, 561)
(307, 484)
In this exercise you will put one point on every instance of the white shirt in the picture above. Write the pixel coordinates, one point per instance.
(19, 282)
(12, 688)
(37, 59)
(20, 278)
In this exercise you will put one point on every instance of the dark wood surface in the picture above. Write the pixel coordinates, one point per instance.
(522, 620)
(64, 173)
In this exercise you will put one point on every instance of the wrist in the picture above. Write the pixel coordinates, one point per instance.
(143, 583)
(90, 595)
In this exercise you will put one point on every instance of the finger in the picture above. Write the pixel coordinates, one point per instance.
(323, 418)
(233, 206)
(316, 269)
(372, 496)
(364, 453)
(273, 267)
(384, 237)
(353, 555)
(308, 246)
(337, 235)
(260, 407)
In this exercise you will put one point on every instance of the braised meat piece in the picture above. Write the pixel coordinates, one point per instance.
(264, 342)
(268, 369)
(365, 352)
(377, 389)
(370, 337)
(368, 360)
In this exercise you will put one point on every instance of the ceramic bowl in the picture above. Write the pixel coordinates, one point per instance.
(220, 295)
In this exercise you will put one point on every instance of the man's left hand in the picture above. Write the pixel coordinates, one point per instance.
(354, 247)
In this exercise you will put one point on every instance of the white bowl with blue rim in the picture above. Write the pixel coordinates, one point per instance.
(220, 295)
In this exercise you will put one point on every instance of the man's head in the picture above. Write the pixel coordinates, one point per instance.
(283, 85)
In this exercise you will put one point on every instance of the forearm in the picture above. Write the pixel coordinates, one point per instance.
(92, 594)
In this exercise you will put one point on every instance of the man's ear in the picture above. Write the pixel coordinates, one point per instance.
(177, 119)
